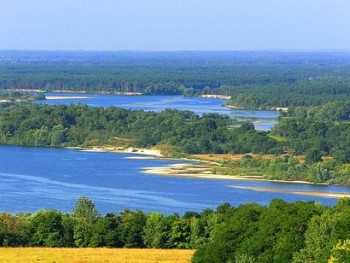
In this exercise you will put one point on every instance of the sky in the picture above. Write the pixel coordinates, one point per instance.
(173, 25)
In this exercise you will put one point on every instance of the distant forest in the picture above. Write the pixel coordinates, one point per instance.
(253, 79)
(314, 87)
(311, 142)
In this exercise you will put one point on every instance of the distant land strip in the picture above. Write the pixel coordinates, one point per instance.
(310, 193)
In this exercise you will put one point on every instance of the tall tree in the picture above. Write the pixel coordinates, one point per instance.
(85, 215)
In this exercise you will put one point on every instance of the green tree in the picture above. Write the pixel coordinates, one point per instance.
(45, 229)
(180, 234)
(340, 252)
(153, 232)
(131, 228)
(238, 227)
(85, 215)
(12, 230)
(105, 232)
(313, 155)
(318, 241)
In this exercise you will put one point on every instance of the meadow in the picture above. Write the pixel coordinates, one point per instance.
(95, 255)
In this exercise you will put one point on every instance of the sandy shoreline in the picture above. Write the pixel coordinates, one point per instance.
(141, 151)
(310, 193)
(202, 170)
(65, 97)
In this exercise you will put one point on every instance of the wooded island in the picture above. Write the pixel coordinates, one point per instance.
(309, 143)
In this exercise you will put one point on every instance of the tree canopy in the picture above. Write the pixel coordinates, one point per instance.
(278, 232)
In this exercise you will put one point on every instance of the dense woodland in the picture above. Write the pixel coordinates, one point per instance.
(253, 79)
(310, 142)
(83, 126)
(280, 232)
(324, 142)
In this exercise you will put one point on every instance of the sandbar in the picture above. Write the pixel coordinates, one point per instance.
(65, 97)
(310, 193)
(146, 152)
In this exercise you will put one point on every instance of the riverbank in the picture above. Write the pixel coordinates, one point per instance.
(65, 97)
(141, 151)
(284, 109)
(202, 171)
(284, 191)
(200, 166)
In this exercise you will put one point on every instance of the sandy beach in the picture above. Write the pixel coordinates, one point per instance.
(202, 170)
(65, 97)
(146, 152)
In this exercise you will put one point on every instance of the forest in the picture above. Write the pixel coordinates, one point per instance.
(310, 142)
(280, 232)
(321, 140)
(252, 79)
(82, 126)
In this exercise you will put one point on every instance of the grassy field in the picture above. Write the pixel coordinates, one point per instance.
(95, 255)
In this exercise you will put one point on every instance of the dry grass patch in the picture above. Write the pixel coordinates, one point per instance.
(230, 157)
(95, 255)
(237, 157)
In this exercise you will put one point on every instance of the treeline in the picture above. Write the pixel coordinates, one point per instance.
(316, 146)
(83, 126)
(310, 132)
(319, 132)
(311, 168)
(301, 93)
(15, 96)
(280, 232)
(253, 79)
(84, 227)
(297, 232)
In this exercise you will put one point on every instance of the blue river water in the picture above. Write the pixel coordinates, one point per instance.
(45, 178)
(263, 120)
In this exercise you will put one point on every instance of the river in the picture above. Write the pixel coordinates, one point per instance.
(262, 119)
(34, 178)
(47, 178)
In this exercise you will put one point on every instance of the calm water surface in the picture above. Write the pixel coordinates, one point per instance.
(265, 120)
(45, 178)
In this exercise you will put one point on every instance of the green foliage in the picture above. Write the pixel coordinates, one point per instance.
(152, 234)
(254, 79)
(228, 236)
(85, 216)
(15, 96)
(131, 228)
(83, 126)
(313, 155)
(341, 252)
(105, 232)
(280, 232)
(12, 230)
(256, 234)
(45, 229)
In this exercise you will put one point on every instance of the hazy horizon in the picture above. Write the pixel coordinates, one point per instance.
(180, 51)
(182, 25)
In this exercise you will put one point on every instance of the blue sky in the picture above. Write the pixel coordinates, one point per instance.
(167, 25)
